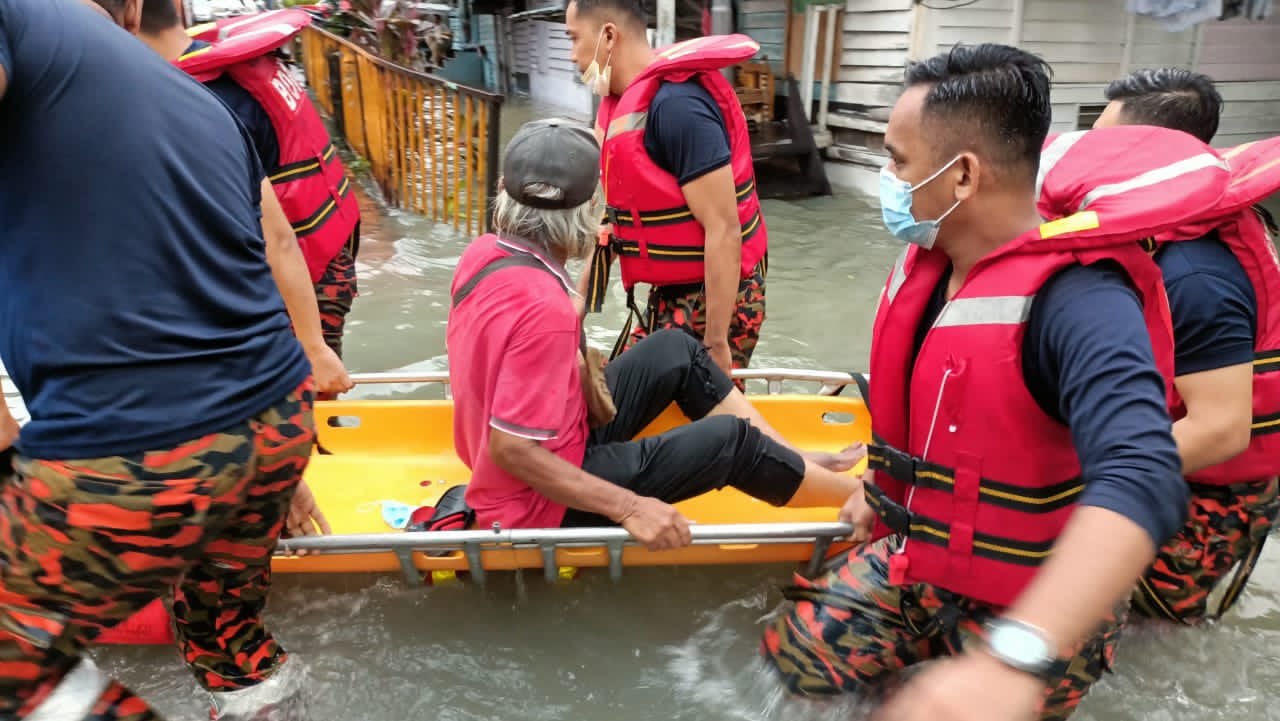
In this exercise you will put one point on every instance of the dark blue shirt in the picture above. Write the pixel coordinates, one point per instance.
(1214, 308)
(1087, 361)
(685, 133)
(250, 113)
(137, 310)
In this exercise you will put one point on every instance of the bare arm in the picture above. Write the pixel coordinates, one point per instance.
(294, 281)
(1219, 416)
(290, 271)
(4, 82)
(556, 478)
(1097, 544)
(656, 524)
(8, 430)
(715, 206)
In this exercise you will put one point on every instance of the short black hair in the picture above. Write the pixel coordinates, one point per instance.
(1173, 98)
(995, 95)
(632, 11)
(159, 15)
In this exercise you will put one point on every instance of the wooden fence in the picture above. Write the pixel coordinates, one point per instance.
(431, 145)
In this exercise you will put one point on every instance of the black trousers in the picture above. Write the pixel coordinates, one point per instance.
(668, 367)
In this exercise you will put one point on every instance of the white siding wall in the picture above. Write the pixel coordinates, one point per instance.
(765, 21)
(553, 79)
(877, 41)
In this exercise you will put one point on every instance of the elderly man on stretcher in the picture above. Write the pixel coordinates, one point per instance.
(545, 429)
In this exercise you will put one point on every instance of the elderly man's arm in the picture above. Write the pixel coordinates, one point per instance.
(535, 385)
(657, 525)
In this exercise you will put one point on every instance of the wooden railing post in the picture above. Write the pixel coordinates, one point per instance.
(432, 145)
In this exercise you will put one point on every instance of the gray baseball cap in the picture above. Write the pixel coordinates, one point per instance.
(552, 164)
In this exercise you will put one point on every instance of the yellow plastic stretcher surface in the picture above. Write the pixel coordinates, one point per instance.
(389, 450)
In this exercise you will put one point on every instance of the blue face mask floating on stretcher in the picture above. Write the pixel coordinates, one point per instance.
(396, 514)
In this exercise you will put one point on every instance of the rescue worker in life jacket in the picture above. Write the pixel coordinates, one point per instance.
(1227, 364)
(318, 284)
(1018, 407)
(316, 197)
(678, 181)
(146, 334)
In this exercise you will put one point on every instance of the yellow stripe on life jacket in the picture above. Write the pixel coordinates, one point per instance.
(197, 51)
(669, 216)
(303, 168)
(324, 212)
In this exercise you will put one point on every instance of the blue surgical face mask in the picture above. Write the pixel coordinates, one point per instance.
(895, 208)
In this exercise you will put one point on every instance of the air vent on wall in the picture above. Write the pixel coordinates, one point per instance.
(1087, 114)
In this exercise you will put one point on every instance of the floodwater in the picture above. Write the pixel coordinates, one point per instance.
(670, 644)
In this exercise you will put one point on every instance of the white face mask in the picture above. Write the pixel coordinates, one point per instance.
(595, 78)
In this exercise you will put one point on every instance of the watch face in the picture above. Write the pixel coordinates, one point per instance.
(1019, 644)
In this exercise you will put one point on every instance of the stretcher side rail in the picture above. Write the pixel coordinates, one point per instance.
(614, 539)
(831, 382)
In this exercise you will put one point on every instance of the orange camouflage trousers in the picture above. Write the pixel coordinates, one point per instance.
(685, 307)
(85, 544)
(1226, 528)
(335, 292)
(852, 631)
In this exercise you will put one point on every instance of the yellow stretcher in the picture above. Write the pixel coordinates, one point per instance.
(402, 451)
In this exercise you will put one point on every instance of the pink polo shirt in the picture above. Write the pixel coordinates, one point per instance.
(513, 364)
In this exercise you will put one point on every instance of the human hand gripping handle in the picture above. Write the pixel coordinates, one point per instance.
(659, 526)
(858, 513)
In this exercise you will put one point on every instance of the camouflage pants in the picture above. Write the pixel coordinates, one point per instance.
(335, 293)
(685, 307)
(85, 544)
(1227, 525)
(851, 630)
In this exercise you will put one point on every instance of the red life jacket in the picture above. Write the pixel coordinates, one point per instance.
(1255, 174)
(968, 467)
(310, 181)
(654, 232)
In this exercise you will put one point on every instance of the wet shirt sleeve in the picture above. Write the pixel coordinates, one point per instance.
(685, 133)
(536, 374)
(1088, 357)
(1213, 308)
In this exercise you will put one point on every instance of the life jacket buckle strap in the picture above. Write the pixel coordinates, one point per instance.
(899, 465)
(892, 514)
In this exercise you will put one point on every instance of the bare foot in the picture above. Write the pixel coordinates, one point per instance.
(838, 462)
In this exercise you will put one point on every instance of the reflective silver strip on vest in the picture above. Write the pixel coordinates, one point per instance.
(74, 698)
(1050, 156)
(284, 30)
(626, 123)
(898, 276)
(230, 27)
(991, 310)
(1185, 166)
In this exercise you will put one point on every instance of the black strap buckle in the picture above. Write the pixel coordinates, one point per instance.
(894, 515)
(611, 215)
(899, 465)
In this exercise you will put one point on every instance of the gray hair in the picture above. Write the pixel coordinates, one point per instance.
(570, 232)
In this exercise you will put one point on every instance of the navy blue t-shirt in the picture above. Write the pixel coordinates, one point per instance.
(1212, 302)
(685, 134)
(1087, 361)
(249, 112)
(138, 308)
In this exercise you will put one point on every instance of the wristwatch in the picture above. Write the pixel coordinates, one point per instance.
(1021, 646)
